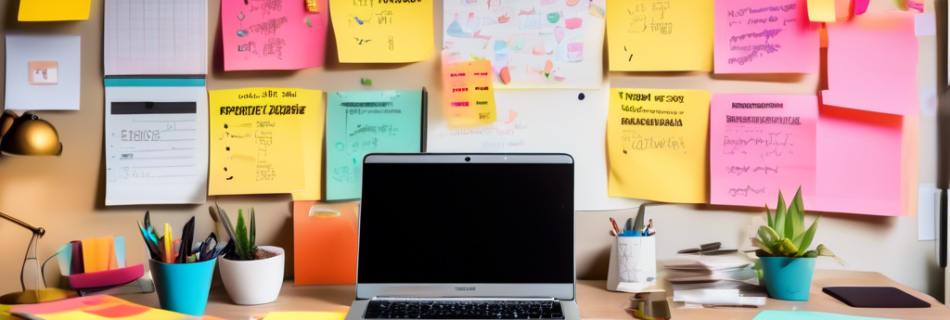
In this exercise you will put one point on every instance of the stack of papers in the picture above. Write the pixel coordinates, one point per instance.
(725, 280)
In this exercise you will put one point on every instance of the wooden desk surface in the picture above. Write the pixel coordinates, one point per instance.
(594, 300)
(598, 303)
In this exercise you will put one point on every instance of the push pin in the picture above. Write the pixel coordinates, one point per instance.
(312, 6)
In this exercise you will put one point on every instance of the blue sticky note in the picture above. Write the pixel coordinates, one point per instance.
(64, 258)
(365, 122)
(807, 315)
(120, 250)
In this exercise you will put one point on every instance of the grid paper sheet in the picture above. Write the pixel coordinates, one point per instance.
(155, 37)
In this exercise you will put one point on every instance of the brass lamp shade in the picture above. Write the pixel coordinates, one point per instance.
(28, 135)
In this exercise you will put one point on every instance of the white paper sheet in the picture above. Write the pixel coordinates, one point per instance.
(153, 37)
(543, 121)
(928, 203)
(526, 35)
(156, 142)
(42, 72)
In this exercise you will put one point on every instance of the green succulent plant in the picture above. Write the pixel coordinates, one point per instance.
(786, 236)
(244, 241)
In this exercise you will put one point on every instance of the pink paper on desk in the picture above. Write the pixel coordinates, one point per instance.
(765, 36)
(760, 144)
(872, 63)
(273, 34)
(859, 163)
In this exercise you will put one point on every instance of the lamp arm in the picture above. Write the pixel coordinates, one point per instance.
(38, 231)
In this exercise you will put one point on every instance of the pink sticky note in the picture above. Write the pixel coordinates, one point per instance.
(273, 35)
(760, 144)
(765, 36)
(575, 51)
(859, 162)
(573, 23)
(872, 63)
(861, 6)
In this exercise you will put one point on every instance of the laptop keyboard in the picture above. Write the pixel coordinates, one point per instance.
(463, 309)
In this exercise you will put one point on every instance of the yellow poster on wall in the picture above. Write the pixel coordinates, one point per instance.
(668, 35)
(53, 10)
(369, 31)
(656, 144)
(266, 140)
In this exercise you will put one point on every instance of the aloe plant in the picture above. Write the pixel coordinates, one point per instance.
(244, 241)
(786, 236)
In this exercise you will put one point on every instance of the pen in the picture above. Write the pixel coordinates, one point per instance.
(153, 251)
(715, 306)
(614, 223)
(176, 245)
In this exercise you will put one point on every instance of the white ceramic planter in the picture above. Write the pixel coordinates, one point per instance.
(256, 281)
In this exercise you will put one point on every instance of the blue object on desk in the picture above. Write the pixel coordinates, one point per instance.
(807, 315)
(788, 278)
(183, 287)
(631, 233)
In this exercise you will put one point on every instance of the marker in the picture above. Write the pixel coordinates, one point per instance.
(168, 244)
(614, 223)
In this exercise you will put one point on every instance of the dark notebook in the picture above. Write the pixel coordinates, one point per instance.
(875, 297)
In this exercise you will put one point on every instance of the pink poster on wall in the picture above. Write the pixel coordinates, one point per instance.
(273, 34)
(760, 144)
(872, 63)
(765, 36)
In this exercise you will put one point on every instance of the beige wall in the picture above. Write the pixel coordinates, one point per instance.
(65, 194)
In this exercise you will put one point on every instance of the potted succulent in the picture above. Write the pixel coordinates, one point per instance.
(251, 274)
(787, 264)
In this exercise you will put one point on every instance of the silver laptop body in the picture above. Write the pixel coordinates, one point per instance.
(466, 229)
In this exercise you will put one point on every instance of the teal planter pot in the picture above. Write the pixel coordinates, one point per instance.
(183, 287)
(788, 278)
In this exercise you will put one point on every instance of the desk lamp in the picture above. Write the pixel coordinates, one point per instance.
(29, 136)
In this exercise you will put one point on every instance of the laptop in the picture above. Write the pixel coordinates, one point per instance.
(466, 236)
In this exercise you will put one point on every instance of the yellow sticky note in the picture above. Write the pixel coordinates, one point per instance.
(305, 316)
(97, 254)
(656, 144)
(370, 31)
(821, 10)
(673, 35)
(265, 140)
(53, 10)
(469, 96)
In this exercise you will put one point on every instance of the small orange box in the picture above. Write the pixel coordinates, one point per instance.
(325, 242)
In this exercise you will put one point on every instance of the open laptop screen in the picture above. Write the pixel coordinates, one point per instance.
(467, 222)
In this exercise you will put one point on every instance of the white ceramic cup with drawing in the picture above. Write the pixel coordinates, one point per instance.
(632, 264)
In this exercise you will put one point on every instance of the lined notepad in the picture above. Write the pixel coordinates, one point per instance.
(155, 37)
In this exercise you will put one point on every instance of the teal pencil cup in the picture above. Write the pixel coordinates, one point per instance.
(788, 278)
(183, 287)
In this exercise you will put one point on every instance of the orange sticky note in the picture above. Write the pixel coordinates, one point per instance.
(325, 242)
(98, 254)
(469, 97)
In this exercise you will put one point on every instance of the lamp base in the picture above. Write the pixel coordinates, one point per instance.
(37, 296)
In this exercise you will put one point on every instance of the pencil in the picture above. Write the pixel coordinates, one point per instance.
(168, 244)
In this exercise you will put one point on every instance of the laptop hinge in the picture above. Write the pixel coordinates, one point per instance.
(465, 298)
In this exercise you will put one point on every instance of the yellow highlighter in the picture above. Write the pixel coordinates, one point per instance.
(168, 244)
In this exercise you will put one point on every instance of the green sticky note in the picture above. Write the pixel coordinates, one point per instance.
(359, 123)
(807, 315)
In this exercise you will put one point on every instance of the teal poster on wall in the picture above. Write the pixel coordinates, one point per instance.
(359, 123)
